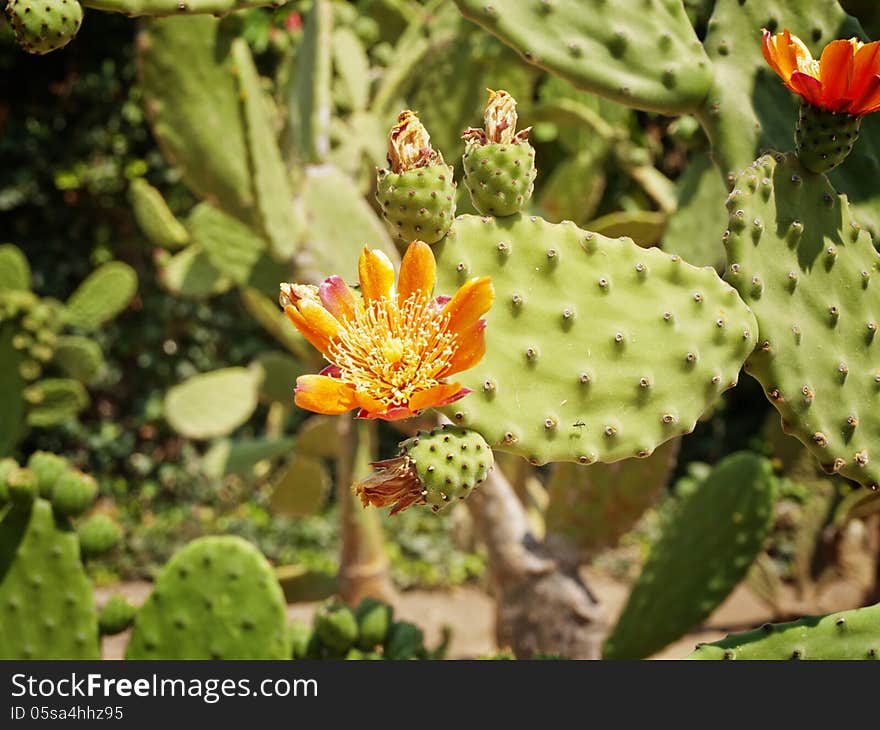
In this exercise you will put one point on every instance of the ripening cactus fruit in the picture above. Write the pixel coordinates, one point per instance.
(116, 615)
(73, 493)
(336, 626)
(42, 26)
(434, 468)
(417, 193)
(824, 138)
(499, 163)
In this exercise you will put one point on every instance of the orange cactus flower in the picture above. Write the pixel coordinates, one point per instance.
(845, 79)
(390, 352)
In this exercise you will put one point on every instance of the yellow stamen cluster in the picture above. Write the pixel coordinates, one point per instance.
(391, 352)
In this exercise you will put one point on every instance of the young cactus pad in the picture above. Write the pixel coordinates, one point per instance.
(47, 610)
(216, 599)
(596, 349)
(703, 553)
(846, 635)
(811, 276)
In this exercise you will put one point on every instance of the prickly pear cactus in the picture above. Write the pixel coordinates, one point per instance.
(434, 468)
(705, 550)
(417, 193)
(42, 26)
(810, 274)
(499, 163)
(846, 635)
(215, 599)
(630, 345)
(823, 138)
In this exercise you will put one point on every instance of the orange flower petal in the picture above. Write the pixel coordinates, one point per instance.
(322, 394)
(338, 298)
(376, 274)
(471, 348)
(316, 336)
(768, 48)
(866, 65)
(869, 100)
(470, 303)
(433, 396)
(418, 271)
(807, 87)
(835, 71)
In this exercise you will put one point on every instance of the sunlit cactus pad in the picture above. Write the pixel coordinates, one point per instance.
(811, 276)
(216, 599)
(596, 349)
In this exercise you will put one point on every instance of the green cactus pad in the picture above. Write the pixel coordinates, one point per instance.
(13, 425)
(824, 138)
(79, 357)
(337, 627)
(592, 507)
(450, 462)
(374, 622)
(630, 346)
(54, 400)
(97, 535)
(73, 493)
(42, 26)
(15, 271)
(405, 641)
(500, 177)
(212, 404)
(46, 606)
(301, 488)
(191, 275)
(49, 468)
(153, 216)
(705, 549)
(418, 204)
(811, 276)
(846, 635)
(642, 55)
(300, 635)
(215, 599)
(104, 294)
(116, 615)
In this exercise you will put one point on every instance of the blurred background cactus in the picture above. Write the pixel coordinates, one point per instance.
(233, 153)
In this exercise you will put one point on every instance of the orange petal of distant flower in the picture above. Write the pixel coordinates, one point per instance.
(469, 303)
(322, 394)
(315, 335)
(471, 348)
(338, 298)
(835, 70)
(376, 274)
(418, 271)
(438, 395)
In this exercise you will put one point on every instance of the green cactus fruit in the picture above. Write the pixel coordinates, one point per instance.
(49, 468)
(499, 163)
(54, 400)
(591, 507)
(630, 345)
(434, 468)
(705, 549)
(217, 598)
(73, 493)
(300, 635)
(405, 641)
(824, 138)
(810, 274)
(374, 621)
(417, 193)
(7, 466)
(97, 535)
(21, 485)
(47, 610)
(358, 655)
(644, 55)
(336, 625)
(845, 635)
(116, 616)
(42, 26)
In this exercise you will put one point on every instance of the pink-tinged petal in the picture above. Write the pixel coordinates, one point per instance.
(321, 394)
(376, 274)
(469, 303)
(442, 300)
(418, 271)
(471, 348)
(436, 396)
(314, 333)
(869, 100)
(338, 298)
(332, 371)
(807, 87)
(835, 70)
(397, 413)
